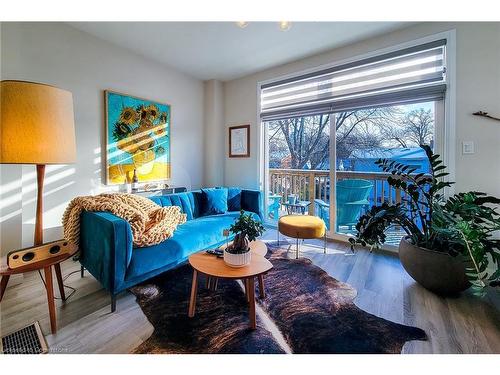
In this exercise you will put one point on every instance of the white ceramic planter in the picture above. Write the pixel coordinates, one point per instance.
(237, 260)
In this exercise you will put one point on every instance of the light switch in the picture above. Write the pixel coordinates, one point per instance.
(467, 147)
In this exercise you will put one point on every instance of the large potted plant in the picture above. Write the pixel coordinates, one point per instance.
(449, 243)
(246, 229)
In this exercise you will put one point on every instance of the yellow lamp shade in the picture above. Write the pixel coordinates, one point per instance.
(36, 124)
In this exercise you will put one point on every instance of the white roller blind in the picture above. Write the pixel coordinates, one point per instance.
(407, 75)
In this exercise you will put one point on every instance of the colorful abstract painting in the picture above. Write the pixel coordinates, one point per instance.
(138, 137)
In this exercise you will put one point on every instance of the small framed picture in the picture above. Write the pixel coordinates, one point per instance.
(239, 141)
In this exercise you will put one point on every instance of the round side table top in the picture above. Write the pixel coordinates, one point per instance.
(256, 247)
(212, 266)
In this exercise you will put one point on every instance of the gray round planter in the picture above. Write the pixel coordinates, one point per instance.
(439, 272)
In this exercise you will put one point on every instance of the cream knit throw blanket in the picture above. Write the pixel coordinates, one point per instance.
(150, 223)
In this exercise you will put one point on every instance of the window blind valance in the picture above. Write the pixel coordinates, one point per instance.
(409, 75)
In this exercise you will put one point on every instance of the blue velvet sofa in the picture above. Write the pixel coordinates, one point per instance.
(107, 252)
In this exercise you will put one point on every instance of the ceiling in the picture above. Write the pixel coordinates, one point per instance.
(224, 51)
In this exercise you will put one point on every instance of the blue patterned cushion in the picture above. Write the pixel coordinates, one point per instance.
(214, 201)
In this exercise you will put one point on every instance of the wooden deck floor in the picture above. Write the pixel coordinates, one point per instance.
(454, 325)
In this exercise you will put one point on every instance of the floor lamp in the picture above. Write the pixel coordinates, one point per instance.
(36, 127)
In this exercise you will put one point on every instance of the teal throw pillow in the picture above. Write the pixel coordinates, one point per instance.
(214, 201)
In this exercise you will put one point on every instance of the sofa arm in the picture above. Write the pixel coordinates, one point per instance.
(105, 248)
(251, 200)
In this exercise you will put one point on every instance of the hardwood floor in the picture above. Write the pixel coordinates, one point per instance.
(468, 324)
(85, 323)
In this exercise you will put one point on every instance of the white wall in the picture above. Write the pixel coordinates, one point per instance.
(477, 87)
(213, 173)
(60, 55)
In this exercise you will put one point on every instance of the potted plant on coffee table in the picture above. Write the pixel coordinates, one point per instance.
(450, 242)
(246, 229)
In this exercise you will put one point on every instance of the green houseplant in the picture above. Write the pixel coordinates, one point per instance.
(450, 243)
(246, 229)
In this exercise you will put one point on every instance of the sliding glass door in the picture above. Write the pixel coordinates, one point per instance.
(297, 165)
(364, 136)
(325, 130)
(300, 155)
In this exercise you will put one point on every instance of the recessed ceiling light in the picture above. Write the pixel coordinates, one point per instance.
(285, 25)
(242, 24)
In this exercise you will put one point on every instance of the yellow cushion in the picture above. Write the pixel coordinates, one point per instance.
(301, 226)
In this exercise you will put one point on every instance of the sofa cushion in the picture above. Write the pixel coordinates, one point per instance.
(162, 200)
(183, 200)
(214, 201)
(188, 238)
(233, 199)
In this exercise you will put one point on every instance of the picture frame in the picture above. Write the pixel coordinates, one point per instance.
(137, 136)
(239, 141)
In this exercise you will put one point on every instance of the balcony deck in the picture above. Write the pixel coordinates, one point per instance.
(314, 185)
(394, 234)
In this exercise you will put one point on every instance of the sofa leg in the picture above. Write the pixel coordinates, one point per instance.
(82, 271)
(113, 303)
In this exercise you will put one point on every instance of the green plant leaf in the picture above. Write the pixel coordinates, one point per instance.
(463, 224)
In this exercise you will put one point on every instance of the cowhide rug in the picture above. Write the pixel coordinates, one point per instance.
(313, 313)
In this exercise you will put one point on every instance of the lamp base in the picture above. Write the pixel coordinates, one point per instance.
(40, 175)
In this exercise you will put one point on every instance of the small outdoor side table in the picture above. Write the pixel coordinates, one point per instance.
(298, 207)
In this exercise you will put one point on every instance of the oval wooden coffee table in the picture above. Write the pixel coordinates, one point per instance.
(256, 247)
(214, 267)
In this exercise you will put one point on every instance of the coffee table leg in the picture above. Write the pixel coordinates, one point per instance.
(3, 285)
(194, 287)
(251, 295)
(262, 292)
(50, 298)
(247, 288)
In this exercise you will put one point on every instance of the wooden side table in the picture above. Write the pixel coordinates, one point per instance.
(212, 266)
(46, 266)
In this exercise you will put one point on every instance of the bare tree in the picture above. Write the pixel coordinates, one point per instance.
(413, 129)
(302, 136)
(308, 141)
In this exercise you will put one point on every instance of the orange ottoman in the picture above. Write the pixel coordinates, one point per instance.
(303, 227)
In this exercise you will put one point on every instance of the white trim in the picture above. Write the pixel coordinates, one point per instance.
(449, 133)
(261, 137)
(332, 159)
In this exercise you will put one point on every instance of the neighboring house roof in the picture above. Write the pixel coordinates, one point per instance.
(279, 153)
(390, 153)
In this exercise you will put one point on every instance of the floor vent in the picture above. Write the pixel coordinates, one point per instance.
(27, 340)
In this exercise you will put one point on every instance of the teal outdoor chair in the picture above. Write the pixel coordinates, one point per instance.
(273, 207)
(352, 197)
(322, 210)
